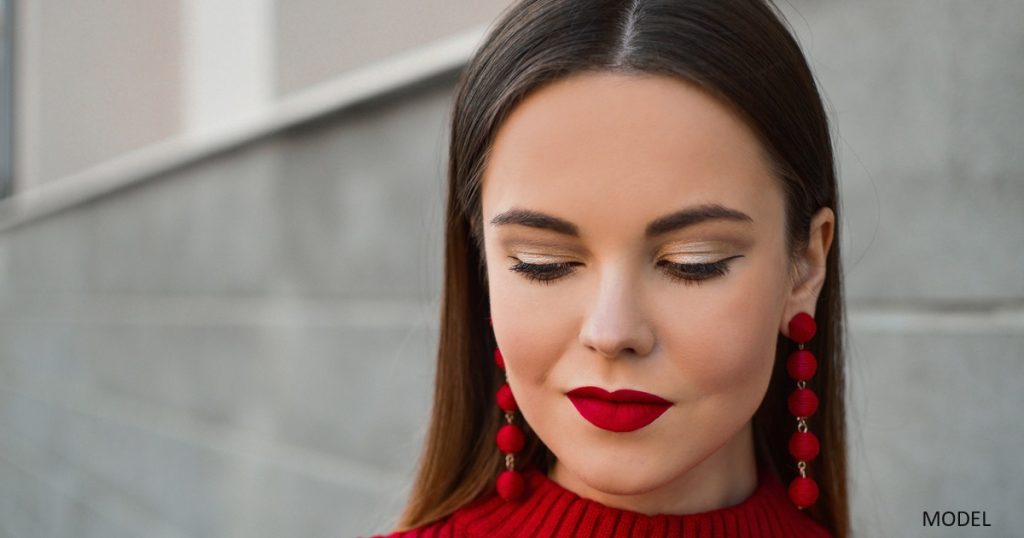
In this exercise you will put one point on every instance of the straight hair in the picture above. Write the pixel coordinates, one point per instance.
(741, 52)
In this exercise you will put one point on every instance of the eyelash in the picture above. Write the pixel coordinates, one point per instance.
(688, 273)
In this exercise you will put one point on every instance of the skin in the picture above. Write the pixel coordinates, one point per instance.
(611, 153)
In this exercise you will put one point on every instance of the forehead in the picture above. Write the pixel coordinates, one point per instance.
(628, 148)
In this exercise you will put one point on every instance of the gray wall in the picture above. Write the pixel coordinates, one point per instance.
(239, 348)
(244, 346)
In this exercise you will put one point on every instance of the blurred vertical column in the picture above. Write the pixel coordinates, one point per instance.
(6, 97)
(228, 62)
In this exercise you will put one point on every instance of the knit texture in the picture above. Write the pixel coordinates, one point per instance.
(548, 509)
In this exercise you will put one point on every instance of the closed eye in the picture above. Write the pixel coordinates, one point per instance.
(688, 273)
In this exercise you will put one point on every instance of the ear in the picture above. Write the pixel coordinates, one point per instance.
(808, 274)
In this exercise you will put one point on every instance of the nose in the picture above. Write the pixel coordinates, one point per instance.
(616, 324)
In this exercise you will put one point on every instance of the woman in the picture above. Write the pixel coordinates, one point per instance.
(641, 328)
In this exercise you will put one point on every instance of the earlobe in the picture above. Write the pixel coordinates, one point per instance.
(811, 268)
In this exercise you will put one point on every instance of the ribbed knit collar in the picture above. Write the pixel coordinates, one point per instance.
(548, 509)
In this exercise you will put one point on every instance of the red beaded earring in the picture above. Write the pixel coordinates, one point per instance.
(510, 439)
(803, 445)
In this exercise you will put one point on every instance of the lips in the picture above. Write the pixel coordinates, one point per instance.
(620, 411)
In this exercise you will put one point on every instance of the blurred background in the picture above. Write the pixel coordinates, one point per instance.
(221, 239)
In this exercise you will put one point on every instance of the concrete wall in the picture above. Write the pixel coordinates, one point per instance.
(244, 346)
(220, 351)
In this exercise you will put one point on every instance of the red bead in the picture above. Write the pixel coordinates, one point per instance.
(491, 321)
(510, 485)
(803, 491)
(506, 401)
(804, 446)
(498, 359)
(510, 439)
(802, 328)
(803, 402)
(801, 365)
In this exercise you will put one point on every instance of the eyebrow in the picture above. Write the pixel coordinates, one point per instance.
(660, 226)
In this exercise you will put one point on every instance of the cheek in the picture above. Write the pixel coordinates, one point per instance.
(731, 348)
(530, 353)
(530, 359)
(529, 328)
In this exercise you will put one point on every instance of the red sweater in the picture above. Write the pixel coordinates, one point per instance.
(548, 509)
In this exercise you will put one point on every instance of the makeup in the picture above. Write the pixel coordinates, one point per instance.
(620, 411)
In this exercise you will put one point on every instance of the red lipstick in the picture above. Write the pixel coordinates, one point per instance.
(620, 411)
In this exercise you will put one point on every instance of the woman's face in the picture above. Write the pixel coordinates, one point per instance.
(646, 206)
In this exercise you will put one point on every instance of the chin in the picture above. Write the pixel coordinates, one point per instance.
(614, 476)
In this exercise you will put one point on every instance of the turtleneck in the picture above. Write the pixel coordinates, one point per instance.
(548, 509)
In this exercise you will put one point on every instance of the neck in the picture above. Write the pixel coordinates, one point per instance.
(725, 478)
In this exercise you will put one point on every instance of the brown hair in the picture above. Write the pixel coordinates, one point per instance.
(740, 51)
